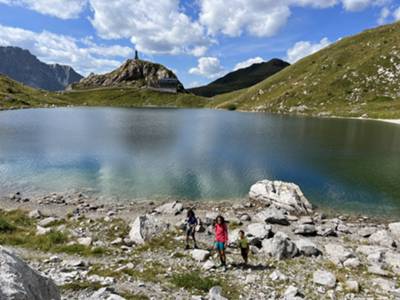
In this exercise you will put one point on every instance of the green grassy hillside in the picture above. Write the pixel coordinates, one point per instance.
(356, 76)
(241, 78)
(131, 97)
(16, 95)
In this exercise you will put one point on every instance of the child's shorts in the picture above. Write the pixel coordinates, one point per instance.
(220, 246)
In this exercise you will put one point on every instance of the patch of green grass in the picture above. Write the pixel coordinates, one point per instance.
(150, 273)
(81, 285)
(164, 242)
(194, 281)
(129, 296)
(5, 226)
(17, 229)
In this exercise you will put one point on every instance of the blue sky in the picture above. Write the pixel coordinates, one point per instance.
(199, 39)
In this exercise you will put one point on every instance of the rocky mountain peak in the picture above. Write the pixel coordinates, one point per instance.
(134, 72)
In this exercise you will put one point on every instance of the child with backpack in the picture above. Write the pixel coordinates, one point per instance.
(191, 223)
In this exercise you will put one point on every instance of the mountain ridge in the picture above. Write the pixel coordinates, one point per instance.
(22, 66)
(358, 76)
(241, 78)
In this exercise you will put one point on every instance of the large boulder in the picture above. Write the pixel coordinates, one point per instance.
(287, 196)
(338, 254)
(259, 230)
(382, 238)
(324, 278)
(394, 229)
(19, 282)
(307, 247)
(172, 208)
(272, 215)
(200, 255)
(280, 246)
(145, 228)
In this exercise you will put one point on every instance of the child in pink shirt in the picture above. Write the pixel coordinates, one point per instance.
(221, 238)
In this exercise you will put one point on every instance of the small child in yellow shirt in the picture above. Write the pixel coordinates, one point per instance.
(244, 246)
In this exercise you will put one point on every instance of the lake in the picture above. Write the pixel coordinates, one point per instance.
(125, 154)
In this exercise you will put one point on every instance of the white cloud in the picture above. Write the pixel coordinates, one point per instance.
(396, 14)
(153, 26)
(53, 48)
(358, 5)
(304, 48)
(248, 63)
(383, 16)
(209, 67)
(262, 18)
(63, 9)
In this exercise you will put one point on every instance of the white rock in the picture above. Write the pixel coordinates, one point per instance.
(307, 247)
(42, 230)
(172, 208)
(272, 215)
(392, 259)
(35, 214)
(215, 293)
(47, 221)
(117, 241)
(280, 246)
(337, 254)
(85, 241)
(251, 278)
(352, 286)
(368, 250)
(306, 220)
(19, 282)
(394, 229)
(200, 255)
(384, 284)
(277, 276)
(382, 238)
(305, 229)
(367, 231)
(208, 265)
(259, 230)
(291, 293)
(352, 263)
(324, 278)
(144, 228)
(245, 218)
(287, 196)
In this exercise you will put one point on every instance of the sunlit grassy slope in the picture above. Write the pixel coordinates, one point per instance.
(356, 76)
(17, 95)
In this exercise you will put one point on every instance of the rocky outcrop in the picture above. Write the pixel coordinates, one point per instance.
(146, 227)
(280, 246)
(133, 73)
(287, 196)
(19, 282)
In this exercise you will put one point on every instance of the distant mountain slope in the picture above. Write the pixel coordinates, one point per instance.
(22, 66)
(356, 76)
(241, 78)
(132, 73)
(16, 95)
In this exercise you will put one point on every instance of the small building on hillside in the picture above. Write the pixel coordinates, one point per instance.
(167, 85)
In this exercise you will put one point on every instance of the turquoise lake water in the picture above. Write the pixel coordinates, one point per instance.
(126, 154)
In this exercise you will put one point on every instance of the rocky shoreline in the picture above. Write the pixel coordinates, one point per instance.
(92, 250)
